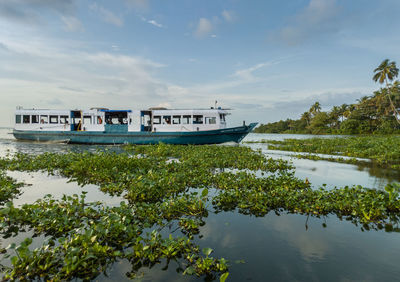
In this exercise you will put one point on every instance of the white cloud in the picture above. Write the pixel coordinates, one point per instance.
(319, 11)
(204, 28)
(318, 18)
(229, 16)
(107, 15)
(121, 61)
(48, 70)
(153, 22)
(31, 12)
(247, 74)
(72, 23)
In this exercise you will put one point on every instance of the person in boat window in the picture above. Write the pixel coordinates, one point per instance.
(167, 120)
(42, 121)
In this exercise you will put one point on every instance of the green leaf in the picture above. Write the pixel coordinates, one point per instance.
(223, 277)
(190, 271)
(11, 246)
(207, 251)
(14, 260)
(204, 193)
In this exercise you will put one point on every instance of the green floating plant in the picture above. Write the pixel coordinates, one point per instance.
(382, 150)
(164, 186)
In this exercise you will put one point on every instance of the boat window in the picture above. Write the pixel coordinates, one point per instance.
(44, 119)
(176, 119)
(26, 119)
(53, 119)
(35, 119)
(18, 119)
(186, 119)
(99, 120)
(211, 120)
(222, 118)
(64, 119)
(116, 117)
(166, 119)
(197, 119)
(87, 120)
(146, 121)
(157, 120)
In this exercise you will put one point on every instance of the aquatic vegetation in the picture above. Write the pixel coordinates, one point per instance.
(9, 188)
(382, 150)
(331, 159)
(84, 238)
(165, 186)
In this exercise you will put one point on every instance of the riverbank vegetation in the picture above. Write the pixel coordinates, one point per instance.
(382, 150)
(374, 114)
(164, 188)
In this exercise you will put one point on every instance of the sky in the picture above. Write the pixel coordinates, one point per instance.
(265, 59)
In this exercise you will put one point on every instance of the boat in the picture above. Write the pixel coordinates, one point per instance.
(105, 126)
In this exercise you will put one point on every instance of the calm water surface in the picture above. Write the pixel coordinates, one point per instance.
(270, 248)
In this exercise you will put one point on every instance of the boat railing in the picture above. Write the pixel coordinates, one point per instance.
(46, 126)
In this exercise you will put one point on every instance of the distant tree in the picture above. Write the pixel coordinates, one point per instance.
(349, 109)
(371, 114)
(319, 123)
(306, 116)
(362, 99)
(334, 115)
(343, 109)
(315, 108)
(385, 72)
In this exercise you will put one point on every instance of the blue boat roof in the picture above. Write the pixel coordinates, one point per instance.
(115, 111)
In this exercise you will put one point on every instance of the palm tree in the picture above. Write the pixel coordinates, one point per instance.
(315, 108)
(307, 117)
(349, 109)
(343, 109)
(385, 72)
(334, 116)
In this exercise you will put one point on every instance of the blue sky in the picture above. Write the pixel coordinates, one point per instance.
(266, 59)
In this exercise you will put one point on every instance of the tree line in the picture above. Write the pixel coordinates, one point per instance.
(375, 114)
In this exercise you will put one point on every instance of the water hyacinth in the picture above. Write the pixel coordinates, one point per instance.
(382, 150)
(164, 185)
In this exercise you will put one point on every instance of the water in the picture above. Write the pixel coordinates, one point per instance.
(271, 248)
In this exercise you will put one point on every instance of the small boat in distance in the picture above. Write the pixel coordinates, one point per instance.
(105, 126)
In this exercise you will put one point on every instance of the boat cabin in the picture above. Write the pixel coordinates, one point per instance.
(119, 121)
